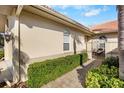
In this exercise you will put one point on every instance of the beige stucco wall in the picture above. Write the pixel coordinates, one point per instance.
(89, 48)
(41, 37)
(112, 44)
(2, 23)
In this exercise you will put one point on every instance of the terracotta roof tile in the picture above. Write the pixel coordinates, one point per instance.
(111, 26)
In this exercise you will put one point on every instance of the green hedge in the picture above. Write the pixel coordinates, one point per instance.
(43, 72)
(84, 57)
(105, 76)
(111, 61)
(1, 54)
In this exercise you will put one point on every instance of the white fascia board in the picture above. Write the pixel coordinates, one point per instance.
(19, 9)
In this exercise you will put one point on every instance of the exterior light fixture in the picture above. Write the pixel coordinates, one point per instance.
(8, 36)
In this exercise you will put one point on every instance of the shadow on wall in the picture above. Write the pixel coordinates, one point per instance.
(32, 20)
(6, 74)
(24, 59)
(76, 40)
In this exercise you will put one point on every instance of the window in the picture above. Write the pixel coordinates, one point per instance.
(66, 41)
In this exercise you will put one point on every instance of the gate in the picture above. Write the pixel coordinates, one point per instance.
(104, 48)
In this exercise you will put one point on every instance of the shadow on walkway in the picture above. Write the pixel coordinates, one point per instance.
(82, 72)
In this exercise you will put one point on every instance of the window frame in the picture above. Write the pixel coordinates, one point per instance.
(66, 33)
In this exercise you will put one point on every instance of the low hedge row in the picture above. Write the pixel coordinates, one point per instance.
(105, 76)
(1, 54)
(84, 57)
(43, 72)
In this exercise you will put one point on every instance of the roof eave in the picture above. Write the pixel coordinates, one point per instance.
(105, 32)
(82, 28)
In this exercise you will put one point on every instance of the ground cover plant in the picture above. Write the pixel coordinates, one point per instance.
(105, 76)
(43, 72)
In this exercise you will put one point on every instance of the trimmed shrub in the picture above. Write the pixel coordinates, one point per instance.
(105, 76)
(85, 57)
(111, 61)
(1, 54)
(43, 72)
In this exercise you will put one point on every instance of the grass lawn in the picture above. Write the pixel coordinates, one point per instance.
(43, 72)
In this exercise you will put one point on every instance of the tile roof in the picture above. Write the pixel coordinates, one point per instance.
(111, 26)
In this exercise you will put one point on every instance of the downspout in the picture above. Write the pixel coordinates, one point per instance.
(74, 44)
(86, 44)
(18, 11)
(19, 51)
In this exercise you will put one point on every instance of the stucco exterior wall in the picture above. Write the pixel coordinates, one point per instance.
(2, 23)
(41, 37)
(89, 48)
(112, 45)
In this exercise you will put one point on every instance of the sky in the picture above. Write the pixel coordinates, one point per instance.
(88, 15)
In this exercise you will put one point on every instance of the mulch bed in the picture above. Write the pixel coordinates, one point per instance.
(17, 85)
(2, 84)
(20, 85)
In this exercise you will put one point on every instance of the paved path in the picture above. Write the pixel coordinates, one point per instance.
(68, 80)
(74, 78)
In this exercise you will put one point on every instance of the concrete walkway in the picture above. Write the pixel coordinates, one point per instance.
(68, 80)
(74, 78)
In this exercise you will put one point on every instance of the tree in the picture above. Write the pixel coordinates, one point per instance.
(121, 40)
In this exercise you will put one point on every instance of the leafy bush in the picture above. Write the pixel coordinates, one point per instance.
(111, 61)
(96, 80)
(1, 54)
(46, 71)
(105, 76)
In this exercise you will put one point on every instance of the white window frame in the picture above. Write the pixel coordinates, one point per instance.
(68, 32)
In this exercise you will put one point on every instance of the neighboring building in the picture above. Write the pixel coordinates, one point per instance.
(106, 37)
(39, 33)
